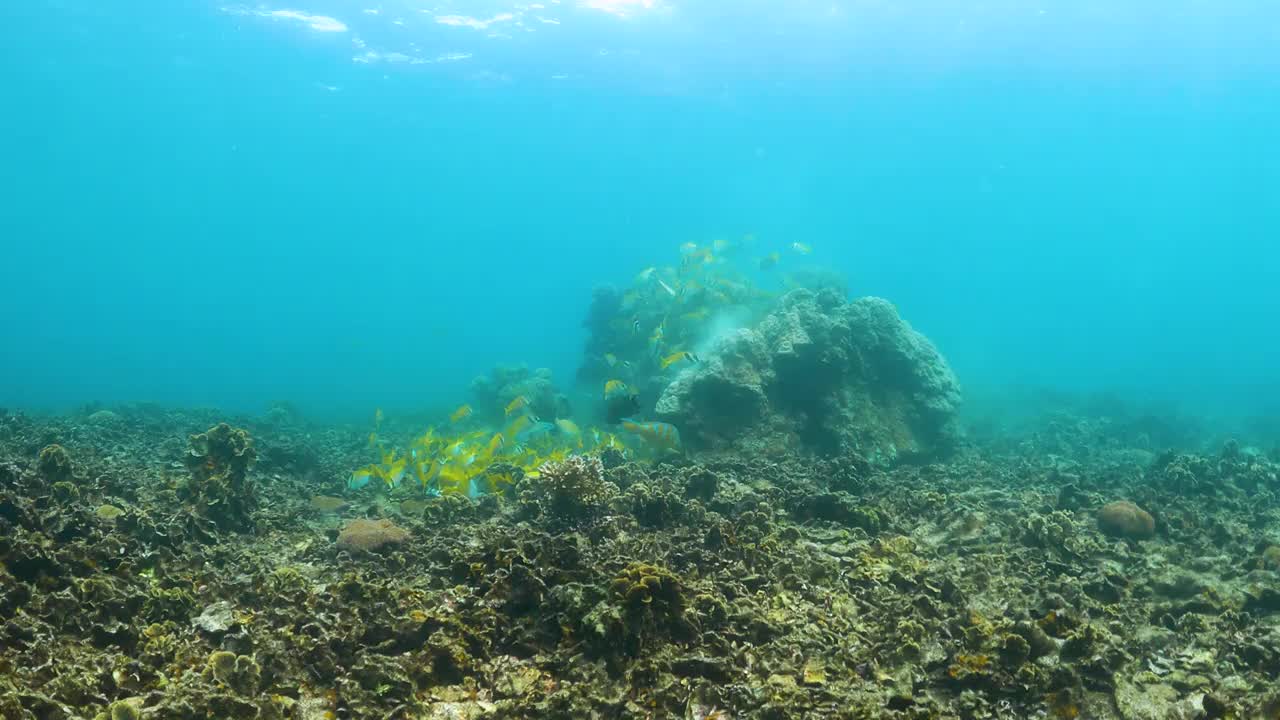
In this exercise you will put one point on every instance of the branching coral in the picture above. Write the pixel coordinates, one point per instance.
(573, 490)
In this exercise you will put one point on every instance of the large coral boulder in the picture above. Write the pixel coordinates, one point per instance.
(1123, 519)
(820, 375)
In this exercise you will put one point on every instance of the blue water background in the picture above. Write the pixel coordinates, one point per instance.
(201, 204)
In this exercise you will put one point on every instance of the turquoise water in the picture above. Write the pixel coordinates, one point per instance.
(352, 204)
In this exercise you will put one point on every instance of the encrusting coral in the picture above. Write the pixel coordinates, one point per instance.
(369, 535)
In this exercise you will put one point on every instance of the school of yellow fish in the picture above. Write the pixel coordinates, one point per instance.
(664, 313)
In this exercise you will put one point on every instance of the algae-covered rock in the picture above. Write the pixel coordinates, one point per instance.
(821, 375)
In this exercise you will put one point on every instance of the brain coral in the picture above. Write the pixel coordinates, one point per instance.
(1126, 520)
(370, 535)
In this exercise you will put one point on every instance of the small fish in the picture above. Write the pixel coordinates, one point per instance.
(703, 256)
(801, 248)
(610, 359)
(534, 431)
(430, 473)
(568, 427)
(635, 325)
(394, 473)
(614, 387)
(495, 443)
(517, 425)
(769, 260)
(359, 479)
(655, 340)
(658, 434)
(460, 414)
(722, 245)
(515, 405)
(667, 287)
(688, 247)
(373, 439)
(674, 358)
(646, 274)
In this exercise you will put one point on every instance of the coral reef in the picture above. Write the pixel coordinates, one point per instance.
(55, 464)
(219, 490)
(493, 392)
(821, 375)
(766, 586)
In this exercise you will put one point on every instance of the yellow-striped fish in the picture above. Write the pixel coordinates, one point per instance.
(461, 413)
(614, 387)
(658, 434)
(517, 404)
(495, 443)
(674, 358)
(801, 248)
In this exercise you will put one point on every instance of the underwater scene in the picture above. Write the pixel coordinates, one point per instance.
(640, 359)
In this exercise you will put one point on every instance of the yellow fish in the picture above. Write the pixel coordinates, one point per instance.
(495, 443)
(659, 434)
(462, 412)
(801, 248)
(721, 244)
(515, 405)
(655, 340)
(646, 274)
(426, 476)
(373, 439)
(517, 425)
(674, 358)
(769, 260)
(359, 479)
(613, 387)
(568, 427)
(394, 473)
